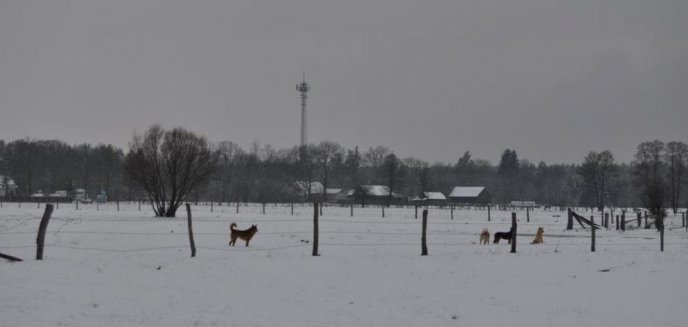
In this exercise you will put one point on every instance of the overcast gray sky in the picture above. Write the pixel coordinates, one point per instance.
(552, 79)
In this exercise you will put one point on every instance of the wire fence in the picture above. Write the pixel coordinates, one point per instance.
(402, 230)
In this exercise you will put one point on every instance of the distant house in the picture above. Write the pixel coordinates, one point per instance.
(335, 195)
(523, 204)
(376, 195)
(434, 198)
(316, 190)
(11, 187)
(470, 195)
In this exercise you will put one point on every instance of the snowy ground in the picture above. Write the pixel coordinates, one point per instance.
(124, 268)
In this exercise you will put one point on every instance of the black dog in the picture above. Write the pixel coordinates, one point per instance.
(503, 235)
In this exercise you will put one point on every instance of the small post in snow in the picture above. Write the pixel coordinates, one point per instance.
(315, 229)
(191, 239)
(423, 239)
(513, 232)
(592, 233)
(43, 227)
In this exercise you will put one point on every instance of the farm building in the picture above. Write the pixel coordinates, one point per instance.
(335, 195)
(434, 198)
(302, 190)
(470, 195)
(11, 186)
(375, 194)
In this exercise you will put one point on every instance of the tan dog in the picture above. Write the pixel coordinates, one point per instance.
(538, 236)
(245, 235)
(485, 237)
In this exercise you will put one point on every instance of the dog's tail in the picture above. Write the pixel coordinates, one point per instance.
(232, 226)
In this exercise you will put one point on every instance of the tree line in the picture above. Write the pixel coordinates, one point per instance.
(261, 173)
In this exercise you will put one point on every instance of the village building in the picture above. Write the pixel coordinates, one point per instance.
(478, 195)
(376, 195)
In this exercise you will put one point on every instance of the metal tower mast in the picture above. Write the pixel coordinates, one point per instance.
(303, 88)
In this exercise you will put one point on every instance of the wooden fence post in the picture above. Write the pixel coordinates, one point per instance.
(623, 221)
(592, 233)
(76, 203)
(292, 208)
(352, 209)
(606, 220)
(383, 211)
(315, 229)
(617, 222)
(569, 223)
(423, 239)
(43, 227)
(191, 239)
(639, 219)
(139, 205)
(660, 219)
(416, 214)
(451, 208)
(263, 207)
(211, 206)
(527, 214)
(646, 225)
(513, 232)
(488, 212)
(237, 207)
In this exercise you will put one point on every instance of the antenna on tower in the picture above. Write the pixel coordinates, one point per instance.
(303, 88)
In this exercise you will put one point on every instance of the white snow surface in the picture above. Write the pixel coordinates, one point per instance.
(125, 268)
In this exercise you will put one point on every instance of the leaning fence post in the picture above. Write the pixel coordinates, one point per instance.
(9, 257)
(423, 239)
(315, 229)
(592, 233)
(43, 227)
(513, 232)
(191, 239)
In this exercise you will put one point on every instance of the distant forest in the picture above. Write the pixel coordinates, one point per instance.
(264, 174)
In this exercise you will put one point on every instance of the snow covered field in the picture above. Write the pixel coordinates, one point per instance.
(125, 268)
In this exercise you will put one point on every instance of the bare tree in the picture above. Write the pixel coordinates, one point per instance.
(676, 155)
(169, 165)
(325, 154)
(648, 169)
(375, 157)
(391, 167)
(595, 170)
